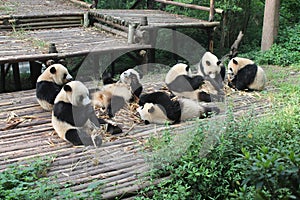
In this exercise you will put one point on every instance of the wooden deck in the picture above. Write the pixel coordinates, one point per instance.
(121, 163)
(155, 19)
(70, 42)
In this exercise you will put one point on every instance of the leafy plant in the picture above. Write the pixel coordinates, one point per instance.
(29, 181)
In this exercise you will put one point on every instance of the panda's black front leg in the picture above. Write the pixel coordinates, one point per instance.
(80, 137)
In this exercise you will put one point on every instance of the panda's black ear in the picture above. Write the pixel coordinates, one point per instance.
(52, 70)
(219, 62)
(207, 63)
(49, 62)
(235, 62)
(151, 110)
(67, 88)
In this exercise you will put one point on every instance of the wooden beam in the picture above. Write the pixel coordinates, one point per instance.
(16, 74)
(110, 29)
(211, 11)
(2, 72)
(192, 6)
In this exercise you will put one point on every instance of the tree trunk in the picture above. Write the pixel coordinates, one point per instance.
(271, 23)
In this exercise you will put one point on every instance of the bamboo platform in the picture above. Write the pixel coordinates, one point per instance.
(121, 163)
(155, 19)
(70, 42)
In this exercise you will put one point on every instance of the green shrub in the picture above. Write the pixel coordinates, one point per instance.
(285, 52)
(255, 158)
(29, 181)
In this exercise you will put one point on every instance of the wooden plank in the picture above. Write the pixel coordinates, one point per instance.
(204, 8)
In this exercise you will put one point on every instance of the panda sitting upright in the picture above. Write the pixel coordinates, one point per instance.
(211, 66)
(157, 107)
(133, 78)
(73, 116)
(244, 74)
(49, 83)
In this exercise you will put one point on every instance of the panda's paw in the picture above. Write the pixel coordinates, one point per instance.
(97, 140)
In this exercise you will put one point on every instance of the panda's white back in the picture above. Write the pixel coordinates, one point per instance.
(259, 81)
(189, 109)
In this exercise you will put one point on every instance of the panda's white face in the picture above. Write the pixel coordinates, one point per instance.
(211, 65)
(61, 74)
(237, 63)
(176, 70)
(152, 113)
(77, 93)
(127, 75)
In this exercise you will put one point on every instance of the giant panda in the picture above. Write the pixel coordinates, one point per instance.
(182, 84)
(49, 83)
(112, 98)
(211, 66)
(158, 112)
(244, 74)
(73, 116)
(133, 78)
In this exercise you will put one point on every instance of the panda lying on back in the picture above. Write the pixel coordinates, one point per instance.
(49, 84)
(158, 108)
(244, 74)
(73, 116)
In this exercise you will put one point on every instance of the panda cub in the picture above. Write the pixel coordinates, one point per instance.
(133, 78)
(158, 108)
(182, 84)
(73, 116)
(49, 83)
(112, 98)
(244, 74)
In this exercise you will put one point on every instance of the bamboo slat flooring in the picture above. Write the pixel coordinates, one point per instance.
(78, 41)
(156, 18)
(121, 163)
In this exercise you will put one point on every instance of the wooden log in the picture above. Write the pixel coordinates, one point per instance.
(124, 28)
(16, 74)
(48, 19)
(111, 30)
(2, 81)
(199, 24)
(81, 3)
(211, 11)
(204, 8)
(33, 16)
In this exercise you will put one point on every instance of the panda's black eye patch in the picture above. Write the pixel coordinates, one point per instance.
(219, 62)
(187, 68)
(208, 63)
(65, 75)
(81, 98)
